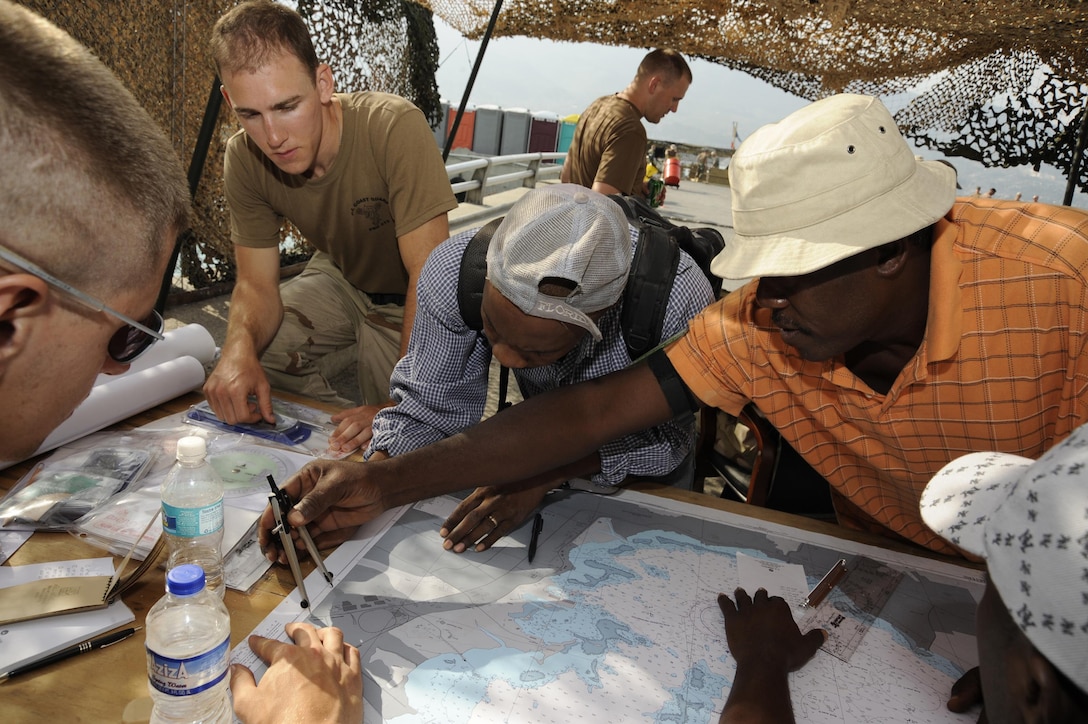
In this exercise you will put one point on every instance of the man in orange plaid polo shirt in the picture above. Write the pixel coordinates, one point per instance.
(889, 329)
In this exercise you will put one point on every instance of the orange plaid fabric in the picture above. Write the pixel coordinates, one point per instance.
(1001, 366)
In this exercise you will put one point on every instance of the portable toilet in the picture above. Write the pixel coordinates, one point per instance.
(440, 129)
(465, 131)
(515, 131)
(566, 133)
(488, 130)
(543, 132)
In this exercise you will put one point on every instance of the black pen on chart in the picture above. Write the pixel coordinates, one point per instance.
(538, 525)
(828, 582)
(90, 645)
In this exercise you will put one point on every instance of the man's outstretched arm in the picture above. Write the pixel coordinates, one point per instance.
(238, 390)
(541, 434)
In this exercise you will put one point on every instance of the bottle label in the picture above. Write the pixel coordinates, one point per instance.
(185, 677)
(192, 522)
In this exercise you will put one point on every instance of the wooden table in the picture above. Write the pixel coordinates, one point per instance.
(96, 687)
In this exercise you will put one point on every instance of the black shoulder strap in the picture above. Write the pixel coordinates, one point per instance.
(473, 272)
(470, 290)
(649, 285)
(639, 211)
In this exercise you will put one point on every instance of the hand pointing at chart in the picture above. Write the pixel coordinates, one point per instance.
(767, 646)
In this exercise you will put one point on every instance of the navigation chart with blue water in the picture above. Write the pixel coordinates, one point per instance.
(616, 619)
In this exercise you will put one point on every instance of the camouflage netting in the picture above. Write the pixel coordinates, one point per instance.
(159, 50)
(1000, 82)
(1004, 83)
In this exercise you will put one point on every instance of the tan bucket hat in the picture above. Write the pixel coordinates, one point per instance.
(827, 182)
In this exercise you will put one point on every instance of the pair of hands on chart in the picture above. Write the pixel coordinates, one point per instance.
(767, 645)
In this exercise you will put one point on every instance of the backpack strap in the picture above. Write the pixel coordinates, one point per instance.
(470, 291)
(702, 244)
(639, 211)
(649, 285)
(471, 276)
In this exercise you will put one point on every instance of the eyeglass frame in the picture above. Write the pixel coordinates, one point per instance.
(86, 299)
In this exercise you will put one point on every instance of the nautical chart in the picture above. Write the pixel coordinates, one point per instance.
(616, 619)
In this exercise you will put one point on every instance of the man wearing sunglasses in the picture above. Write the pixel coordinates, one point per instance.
(93, 197)
(91, 209)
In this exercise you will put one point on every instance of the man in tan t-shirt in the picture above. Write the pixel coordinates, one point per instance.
(360, 177)
(608, 151)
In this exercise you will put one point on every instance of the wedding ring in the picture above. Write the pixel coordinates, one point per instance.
(493, 521)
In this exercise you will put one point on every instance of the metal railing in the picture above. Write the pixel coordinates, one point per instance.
(493, 174)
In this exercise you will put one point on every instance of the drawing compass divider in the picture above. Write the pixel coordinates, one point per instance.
(852, 607)
(280, 503)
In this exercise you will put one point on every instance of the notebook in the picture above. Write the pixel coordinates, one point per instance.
(49, 595)
(31, 639)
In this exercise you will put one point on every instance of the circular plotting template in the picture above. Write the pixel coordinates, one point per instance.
(245, 469)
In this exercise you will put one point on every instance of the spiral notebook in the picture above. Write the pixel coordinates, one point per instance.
(51, 596)
(26, 641)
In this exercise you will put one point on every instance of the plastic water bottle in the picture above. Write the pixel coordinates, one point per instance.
(192, 513)
(188, 650)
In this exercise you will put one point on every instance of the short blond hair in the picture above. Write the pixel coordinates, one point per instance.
(92, 189)
(249, 34)
(664, 62)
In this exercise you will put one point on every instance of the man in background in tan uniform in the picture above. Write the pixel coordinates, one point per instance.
(360, 176)
(608, 151)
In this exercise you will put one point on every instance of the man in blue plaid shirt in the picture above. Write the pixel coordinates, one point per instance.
(556, 270)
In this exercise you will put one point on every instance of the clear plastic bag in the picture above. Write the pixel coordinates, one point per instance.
(72, 483)
(128, 520)
(297, 427)
(285, 430)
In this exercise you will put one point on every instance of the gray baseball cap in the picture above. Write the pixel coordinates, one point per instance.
(562, 231)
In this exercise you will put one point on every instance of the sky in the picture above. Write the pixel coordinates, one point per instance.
(563, 78)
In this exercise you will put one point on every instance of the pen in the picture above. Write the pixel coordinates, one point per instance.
(538, 525)
(91, 645)
(828, 582)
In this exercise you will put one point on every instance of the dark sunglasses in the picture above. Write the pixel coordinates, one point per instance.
(128, 342)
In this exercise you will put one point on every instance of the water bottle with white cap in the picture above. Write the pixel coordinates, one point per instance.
(192, 513)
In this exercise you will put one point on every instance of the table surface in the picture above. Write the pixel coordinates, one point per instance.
(96, 687)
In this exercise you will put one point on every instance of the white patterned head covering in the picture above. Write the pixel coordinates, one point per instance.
(1029, 520)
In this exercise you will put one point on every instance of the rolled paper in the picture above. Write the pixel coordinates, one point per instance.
(123, 396)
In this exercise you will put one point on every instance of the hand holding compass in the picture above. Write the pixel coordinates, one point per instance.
(280, 503)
